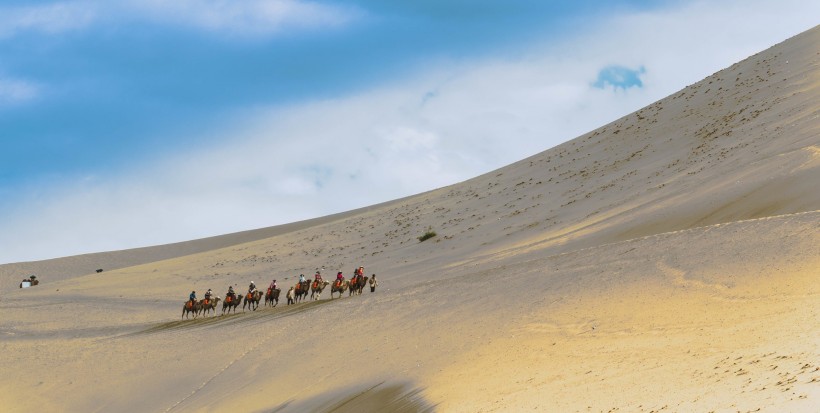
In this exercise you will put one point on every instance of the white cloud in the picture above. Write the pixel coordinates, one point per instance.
(17, 91)
(250, 18)
(447, 124)
(48, 18)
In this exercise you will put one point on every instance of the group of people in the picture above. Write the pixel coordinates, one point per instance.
(317, 279)
(358, 272)
(231, 293)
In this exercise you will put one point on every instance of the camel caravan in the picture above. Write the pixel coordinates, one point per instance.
(193, 307)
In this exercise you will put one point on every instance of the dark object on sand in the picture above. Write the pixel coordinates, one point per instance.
(31, 281)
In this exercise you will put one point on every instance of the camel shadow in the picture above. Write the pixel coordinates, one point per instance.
(263, 314)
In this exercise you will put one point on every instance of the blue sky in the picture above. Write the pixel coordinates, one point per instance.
(133, 123)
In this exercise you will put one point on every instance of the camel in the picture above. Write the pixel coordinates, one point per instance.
(272, 297)
(191, 307)
(339, 288)
(252, 300)
(362, 284)
(357, 285)
(210, 306)
(231, 303)
(301, 290)
(352, 284)
(316, 289)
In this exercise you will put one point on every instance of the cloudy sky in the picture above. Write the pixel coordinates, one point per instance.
(141, 122)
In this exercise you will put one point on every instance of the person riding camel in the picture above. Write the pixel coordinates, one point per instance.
(231, 293)
(302, 278)
(339, 279)
(318, 276)
(192, 298)
(208, 296)
(272, 285)
(252, 288)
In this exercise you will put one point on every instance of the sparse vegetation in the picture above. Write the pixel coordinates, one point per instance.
(427, 235)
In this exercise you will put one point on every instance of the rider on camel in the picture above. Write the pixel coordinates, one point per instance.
(339, 278)
(231, 293)
(318, 277)
(192, 297)
(357, 274)
(252, 288)
(301, 278)
(272, 285)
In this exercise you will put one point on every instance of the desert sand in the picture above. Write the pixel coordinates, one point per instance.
(668, 261)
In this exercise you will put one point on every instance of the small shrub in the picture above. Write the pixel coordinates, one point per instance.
(427, 235)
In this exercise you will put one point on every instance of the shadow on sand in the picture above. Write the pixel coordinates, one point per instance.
(382, 397)
(260, 315)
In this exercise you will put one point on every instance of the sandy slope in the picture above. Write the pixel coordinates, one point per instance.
(665, 262)
(70, 267)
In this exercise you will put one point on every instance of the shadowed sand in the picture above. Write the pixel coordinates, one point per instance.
(377, 398)
(667, 261)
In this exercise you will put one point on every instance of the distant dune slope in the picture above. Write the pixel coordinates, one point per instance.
(73, 266)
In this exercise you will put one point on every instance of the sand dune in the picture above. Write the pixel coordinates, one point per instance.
(70, 267)
(667, 261)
